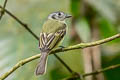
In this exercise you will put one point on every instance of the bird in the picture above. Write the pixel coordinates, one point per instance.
(53, 31)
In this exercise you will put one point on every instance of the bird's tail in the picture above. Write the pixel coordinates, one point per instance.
(41, 67)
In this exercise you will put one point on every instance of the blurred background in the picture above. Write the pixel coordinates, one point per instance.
(92, 20)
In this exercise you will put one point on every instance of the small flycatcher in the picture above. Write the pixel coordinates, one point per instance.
(52, 33)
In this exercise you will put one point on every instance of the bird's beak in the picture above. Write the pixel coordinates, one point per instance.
(68, 16)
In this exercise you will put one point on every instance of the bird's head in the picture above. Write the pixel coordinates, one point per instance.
(61, 16)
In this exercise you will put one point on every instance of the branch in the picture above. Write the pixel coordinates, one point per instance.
(31, 32)
(69, 69)
(85, 45)
(19, 64)
(78, 46)
(93, 73)
(102, 70)
(21, 23)
(2, 10)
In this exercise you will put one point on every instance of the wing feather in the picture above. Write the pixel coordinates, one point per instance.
(49, 40)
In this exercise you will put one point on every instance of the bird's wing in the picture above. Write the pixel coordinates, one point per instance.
(49, 40)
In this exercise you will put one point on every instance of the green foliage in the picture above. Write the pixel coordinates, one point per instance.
(107, 27)
(75, 6)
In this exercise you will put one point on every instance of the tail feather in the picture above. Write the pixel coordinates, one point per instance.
(41, 67)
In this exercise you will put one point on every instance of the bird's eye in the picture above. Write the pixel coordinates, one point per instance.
(59, 13)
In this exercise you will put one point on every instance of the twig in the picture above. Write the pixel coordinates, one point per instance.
(78, 46)
(69, 69)
(20, 22)
(19, 64)
(74, 76)
(31, 32)
(2, 11)
(95, 72)
(102, 70)
(85, 45)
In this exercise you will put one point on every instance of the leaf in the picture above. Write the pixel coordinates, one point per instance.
(75, 7)
(107, 28)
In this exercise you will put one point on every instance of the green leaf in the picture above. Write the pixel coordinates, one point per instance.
(75, 7)
(106, 28)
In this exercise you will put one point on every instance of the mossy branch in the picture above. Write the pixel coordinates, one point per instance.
(78, 46)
